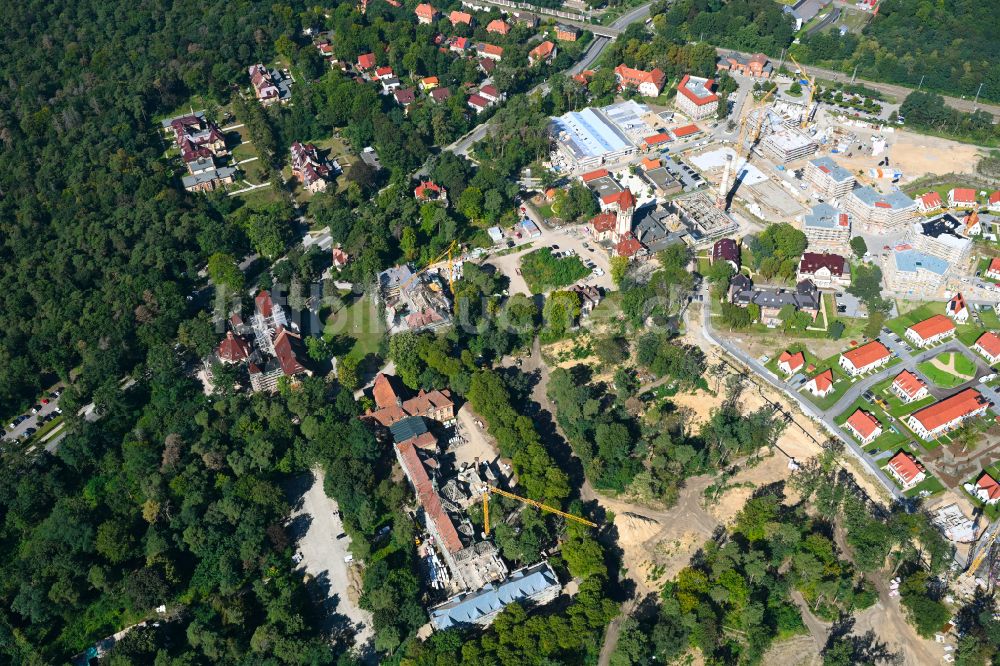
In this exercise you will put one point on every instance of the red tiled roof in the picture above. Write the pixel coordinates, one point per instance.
(428, 497)
(963, 194)
(366, 60)
(283, 349)
(685, 130)
(384, 392)
(687, 92)
(994, 197)
(956, 304)
(624, 199)
(489, 92)
(497, 26)
(383, 71)
(440, 94)
(592, 175)
(794, 361)
(457, 17)
(932, 326)
(990, 485)
(628, 246)
(424, 401)
(424, 10)
(863, 423)
(657, 139)
(867, 354)
(931, 200)
(908, 383)
(636, 77)
(948, 410)
(264, 304)
(492, 49)
(477, 100)
(603, 222)
(823, 380)
(543, 50)
(971, 221)
(426, 186)
(460, 42)
(405, 96)
(994, 265)
(233, 348)
(906, 466)
(649, 164)
(990, 343)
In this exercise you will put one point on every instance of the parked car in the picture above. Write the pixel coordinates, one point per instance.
(36, 409)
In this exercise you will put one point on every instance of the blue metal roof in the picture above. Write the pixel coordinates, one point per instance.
(521, 585)
(823, 216)
(837, 172)
(591, 133)
(896, 200)
(910, 261)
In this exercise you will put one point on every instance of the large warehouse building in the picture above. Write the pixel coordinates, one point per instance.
(587, 139)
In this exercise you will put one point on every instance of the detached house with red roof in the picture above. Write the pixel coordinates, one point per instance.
(457, 17)
(426, 13)
(935, 420)
(790, 363)
(391, 405)
(957, 309)
(602, 226)
(490, 51)
(233, 349)
(821, 385)
(428, 190)
(308, 168)
(930, 331)
(264, 88)
(988, 346)
(649, 84)
(498, 27)
(864, 426)
(458, 44)
(993, 270)
(906, 469)
(961, 197)
(366, 61)
(865, 358)
(993, 202)
(930, 202)
(695, 97)
(544, 52)
(986, 489)
(478, 103)
(908, 387)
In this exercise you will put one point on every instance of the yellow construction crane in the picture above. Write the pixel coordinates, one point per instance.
(984, 550)
(760, 119)
(812, 90)
(525, 500)
(451, 272)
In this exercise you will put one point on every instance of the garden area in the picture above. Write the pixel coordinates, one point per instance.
(360, 320)
(896, 407)
(543, 271)
(967, 333)
(948, 370)
(888, 440)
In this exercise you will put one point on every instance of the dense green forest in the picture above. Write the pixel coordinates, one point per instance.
(951, 46)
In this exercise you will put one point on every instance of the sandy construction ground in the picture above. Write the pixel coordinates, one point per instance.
(916, 155)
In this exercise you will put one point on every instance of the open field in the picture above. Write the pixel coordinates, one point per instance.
(917, 155)
(948, 370)
(361, 321)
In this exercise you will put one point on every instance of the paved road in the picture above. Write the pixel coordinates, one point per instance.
(892, 89)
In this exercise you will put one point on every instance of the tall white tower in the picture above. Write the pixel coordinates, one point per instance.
(727, 172)
(623, 216)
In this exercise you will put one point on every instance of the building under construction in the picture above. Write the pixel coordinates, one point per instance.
(705, 220)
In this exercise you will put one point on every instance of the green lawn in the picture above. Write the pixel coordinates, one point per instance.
(897, 407)
(967, 333)
(930, 484)
(884, 442)
(990, 319)
(360, 320)
(963, 366)
(772, 363)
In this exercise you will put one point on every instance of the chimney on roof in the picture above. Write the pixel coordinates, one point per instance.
(720, 201)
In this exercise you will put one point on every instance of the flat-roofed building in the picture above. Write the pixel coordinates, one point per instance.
(695, 97)
(942, 237)
(587, 139)
(884, 212)
(787, 145)
(828, 178)
(935, 420)
(826, 226)
(908, 271)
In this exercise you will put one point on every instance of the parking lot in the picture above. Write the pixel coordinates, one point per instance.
(48, 409)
